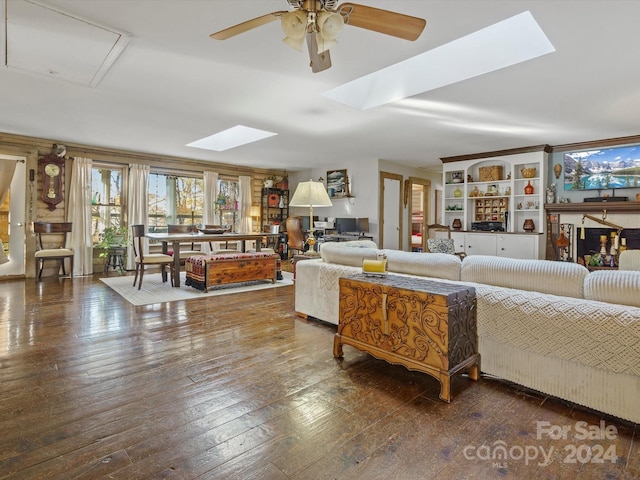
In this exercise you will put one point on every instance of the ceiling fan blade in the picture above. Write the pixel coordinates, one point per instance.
(382, 21)
(246, 26)
(319, 61)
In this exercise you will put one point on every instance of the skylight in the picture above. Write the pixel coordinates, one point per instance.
(231, 138)
(509, 42)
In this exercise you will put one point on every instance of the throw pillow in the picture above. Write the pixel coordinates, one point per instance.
(441, 245)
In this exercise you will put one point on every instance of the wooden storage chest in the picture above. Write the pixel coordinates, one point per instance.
(424, 325)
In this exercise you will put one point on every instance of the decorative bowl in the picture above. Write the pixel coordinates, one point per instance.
(528, 172)
(215, 230)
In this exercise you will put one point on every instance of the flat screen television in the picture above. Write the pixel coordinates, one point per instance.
(602, 169)
(362, 225)
(345, 225)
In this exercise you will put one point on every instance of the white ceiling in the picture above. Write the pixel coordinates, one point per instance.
(172, 85)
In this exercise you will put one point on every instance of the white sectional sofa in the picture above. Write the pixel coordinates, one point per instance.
(549, 326)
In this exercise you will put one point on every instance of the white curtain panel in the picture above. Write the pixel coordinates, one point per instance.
(245, 204)
(137, 204)
(7, 168)
(210, 195)
(209, 203)
(79, 214)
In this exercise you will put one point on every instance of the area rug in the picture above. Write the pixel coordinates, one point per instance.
(154, 291)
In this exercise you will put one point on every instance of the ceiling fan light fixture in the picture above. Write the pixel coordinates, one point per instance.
(330, 25)
(294, 25)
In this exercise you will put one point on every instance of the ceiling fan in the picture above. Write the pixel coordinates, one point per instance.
(321, 21)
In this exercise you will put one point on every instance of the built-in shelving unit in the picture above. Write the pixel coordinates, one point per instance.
(506, 188)
(471, 197)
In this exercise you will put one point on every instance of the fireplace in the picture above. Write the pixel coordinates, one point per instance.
(591, 244)
(567, 220)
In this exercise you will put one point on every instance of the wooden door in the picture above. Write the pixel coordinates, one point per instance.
(390, 211)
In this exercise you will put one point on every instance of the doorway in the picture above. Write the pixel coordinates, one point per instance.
(418, 199)
(12, 218)
(390, 211)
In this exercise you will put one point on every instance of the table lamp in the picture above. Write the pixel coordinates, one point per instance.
(310, 194)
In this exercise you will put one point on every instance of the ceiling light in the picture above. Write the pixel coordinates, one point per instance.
(294, 25)
(230, 138)
(506, 43)
(330, 25)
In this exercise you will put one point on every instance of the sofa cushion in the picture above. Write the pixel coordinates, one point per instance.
(348, 253)
(545, 276)
(434, 265)
(629, 260)
(612, 286)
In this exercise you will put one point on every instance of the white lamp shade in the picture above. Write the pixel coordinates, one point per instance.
(310, 194)
(294, 25)
(330, 25)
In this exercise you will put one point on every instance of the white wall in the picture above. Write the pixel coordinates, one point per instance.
(363, 178)
(364, 187)
(406, 172)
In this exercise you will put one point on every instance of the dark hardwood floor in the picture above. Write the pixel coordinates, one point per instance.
(238, 387)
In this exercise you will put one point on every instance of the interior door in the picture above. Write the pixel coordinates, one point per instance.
(390, 211)
(12, 220)
(419, 191)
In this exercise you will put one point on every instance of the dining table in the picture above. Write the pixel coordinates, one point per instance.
(175, 239)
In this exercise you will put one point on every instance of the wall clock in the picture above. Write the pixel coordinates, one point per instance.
(52, 170)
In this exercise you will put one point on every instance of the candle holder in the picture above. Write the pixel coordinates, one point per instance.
(603, 245)
(605, 257)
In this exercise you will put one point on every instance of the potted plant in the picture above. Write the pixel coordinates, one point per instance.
(270, 181)
(111, 237)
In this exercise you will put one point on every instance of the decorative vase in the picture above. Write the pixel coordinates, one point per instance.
(457, 193)
(528, 225)
(528, 189)
(551, 195)
(457, 224)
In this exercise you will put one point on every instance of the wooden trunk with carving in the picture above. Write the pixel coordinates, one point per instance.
(424, 325)
(204, 271)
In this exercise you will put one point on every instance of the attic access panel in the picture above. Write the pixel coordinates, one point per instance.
(43, 40)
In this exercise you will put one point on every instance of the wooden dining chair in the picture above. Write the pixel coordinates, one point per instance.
(191, 249)
(295, 235)
(439, 240)
(60, 254)
(222, 247)
(141, 260)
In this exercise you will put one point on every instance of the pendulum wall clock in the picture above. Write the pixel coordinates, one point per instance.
(52, 170)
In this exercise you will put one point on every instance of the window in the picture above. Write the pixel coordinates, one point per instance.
(175, 200)
(178, 200)
(107, 198)
(227, 203)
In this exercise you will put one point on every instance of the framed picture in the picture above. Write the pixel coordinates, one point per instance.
(337, 183)
(457, 177)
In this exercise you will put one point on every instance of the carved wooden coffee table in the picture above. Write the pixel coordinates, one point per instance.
(424, 325)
